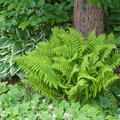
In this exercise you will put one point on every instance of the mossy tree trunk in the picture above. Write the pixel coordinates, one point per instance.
(88, 18)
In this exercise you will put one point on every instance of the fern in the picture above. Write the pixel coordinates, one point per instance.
(69, 65)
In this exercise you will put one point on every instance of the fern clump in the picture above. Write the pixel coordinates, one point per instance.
(70, 66)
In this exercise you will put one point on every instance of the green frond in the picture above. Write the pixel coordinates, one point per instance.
(109, 78)
(113, 61)
(76, 91)
(110, 38)
(86, 77)
(63, 65)
(103, 70)
(56, 37)
(84, 64)
(92, 36)
(41, 77)
(42, 49)
(62, 50)
(74, 70)
(71, 65)
(105, 52)
(43, 88)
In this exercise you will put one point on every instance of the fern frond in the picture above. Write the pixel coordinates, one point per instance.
(105, 52)
(76, 91)
(113, 60)
(62, 50)
(69, 65)
(43, 88)
(84, 64)
(56, 37)
(63, 65)
(109, 78)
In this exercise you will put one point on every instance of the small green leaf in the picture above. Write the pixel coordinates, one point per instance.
(17, 47)
(23, 25)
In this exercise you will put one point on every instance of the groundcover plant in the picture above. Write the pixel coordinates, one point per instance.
(19, 103)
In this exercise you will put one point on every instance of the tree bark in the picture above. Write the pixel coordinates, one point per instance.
(88, 18)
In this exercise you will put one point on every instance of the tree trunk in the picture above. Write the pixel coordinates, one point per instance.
(88, 18)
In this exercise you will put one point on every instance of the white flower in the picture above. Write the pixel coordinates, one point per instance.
(54, 116)
(44, 100)
(67, 116)
(26, 119)
(33, 107)
(46, 112)
(50, 107)
(0, 102)
(4, 114)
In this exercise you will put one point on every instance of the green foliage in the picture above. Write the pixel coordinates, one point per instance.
(113, 20)
(23, 23)
(112, 16)
(33, 14)
(69, 65)
(105, 3)
(112, 10)
(18, 103)
(10, 48)
(108, 102)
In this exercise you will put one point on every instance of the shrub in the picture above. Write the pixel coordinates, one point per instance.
(24, 23)
(70, 66)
